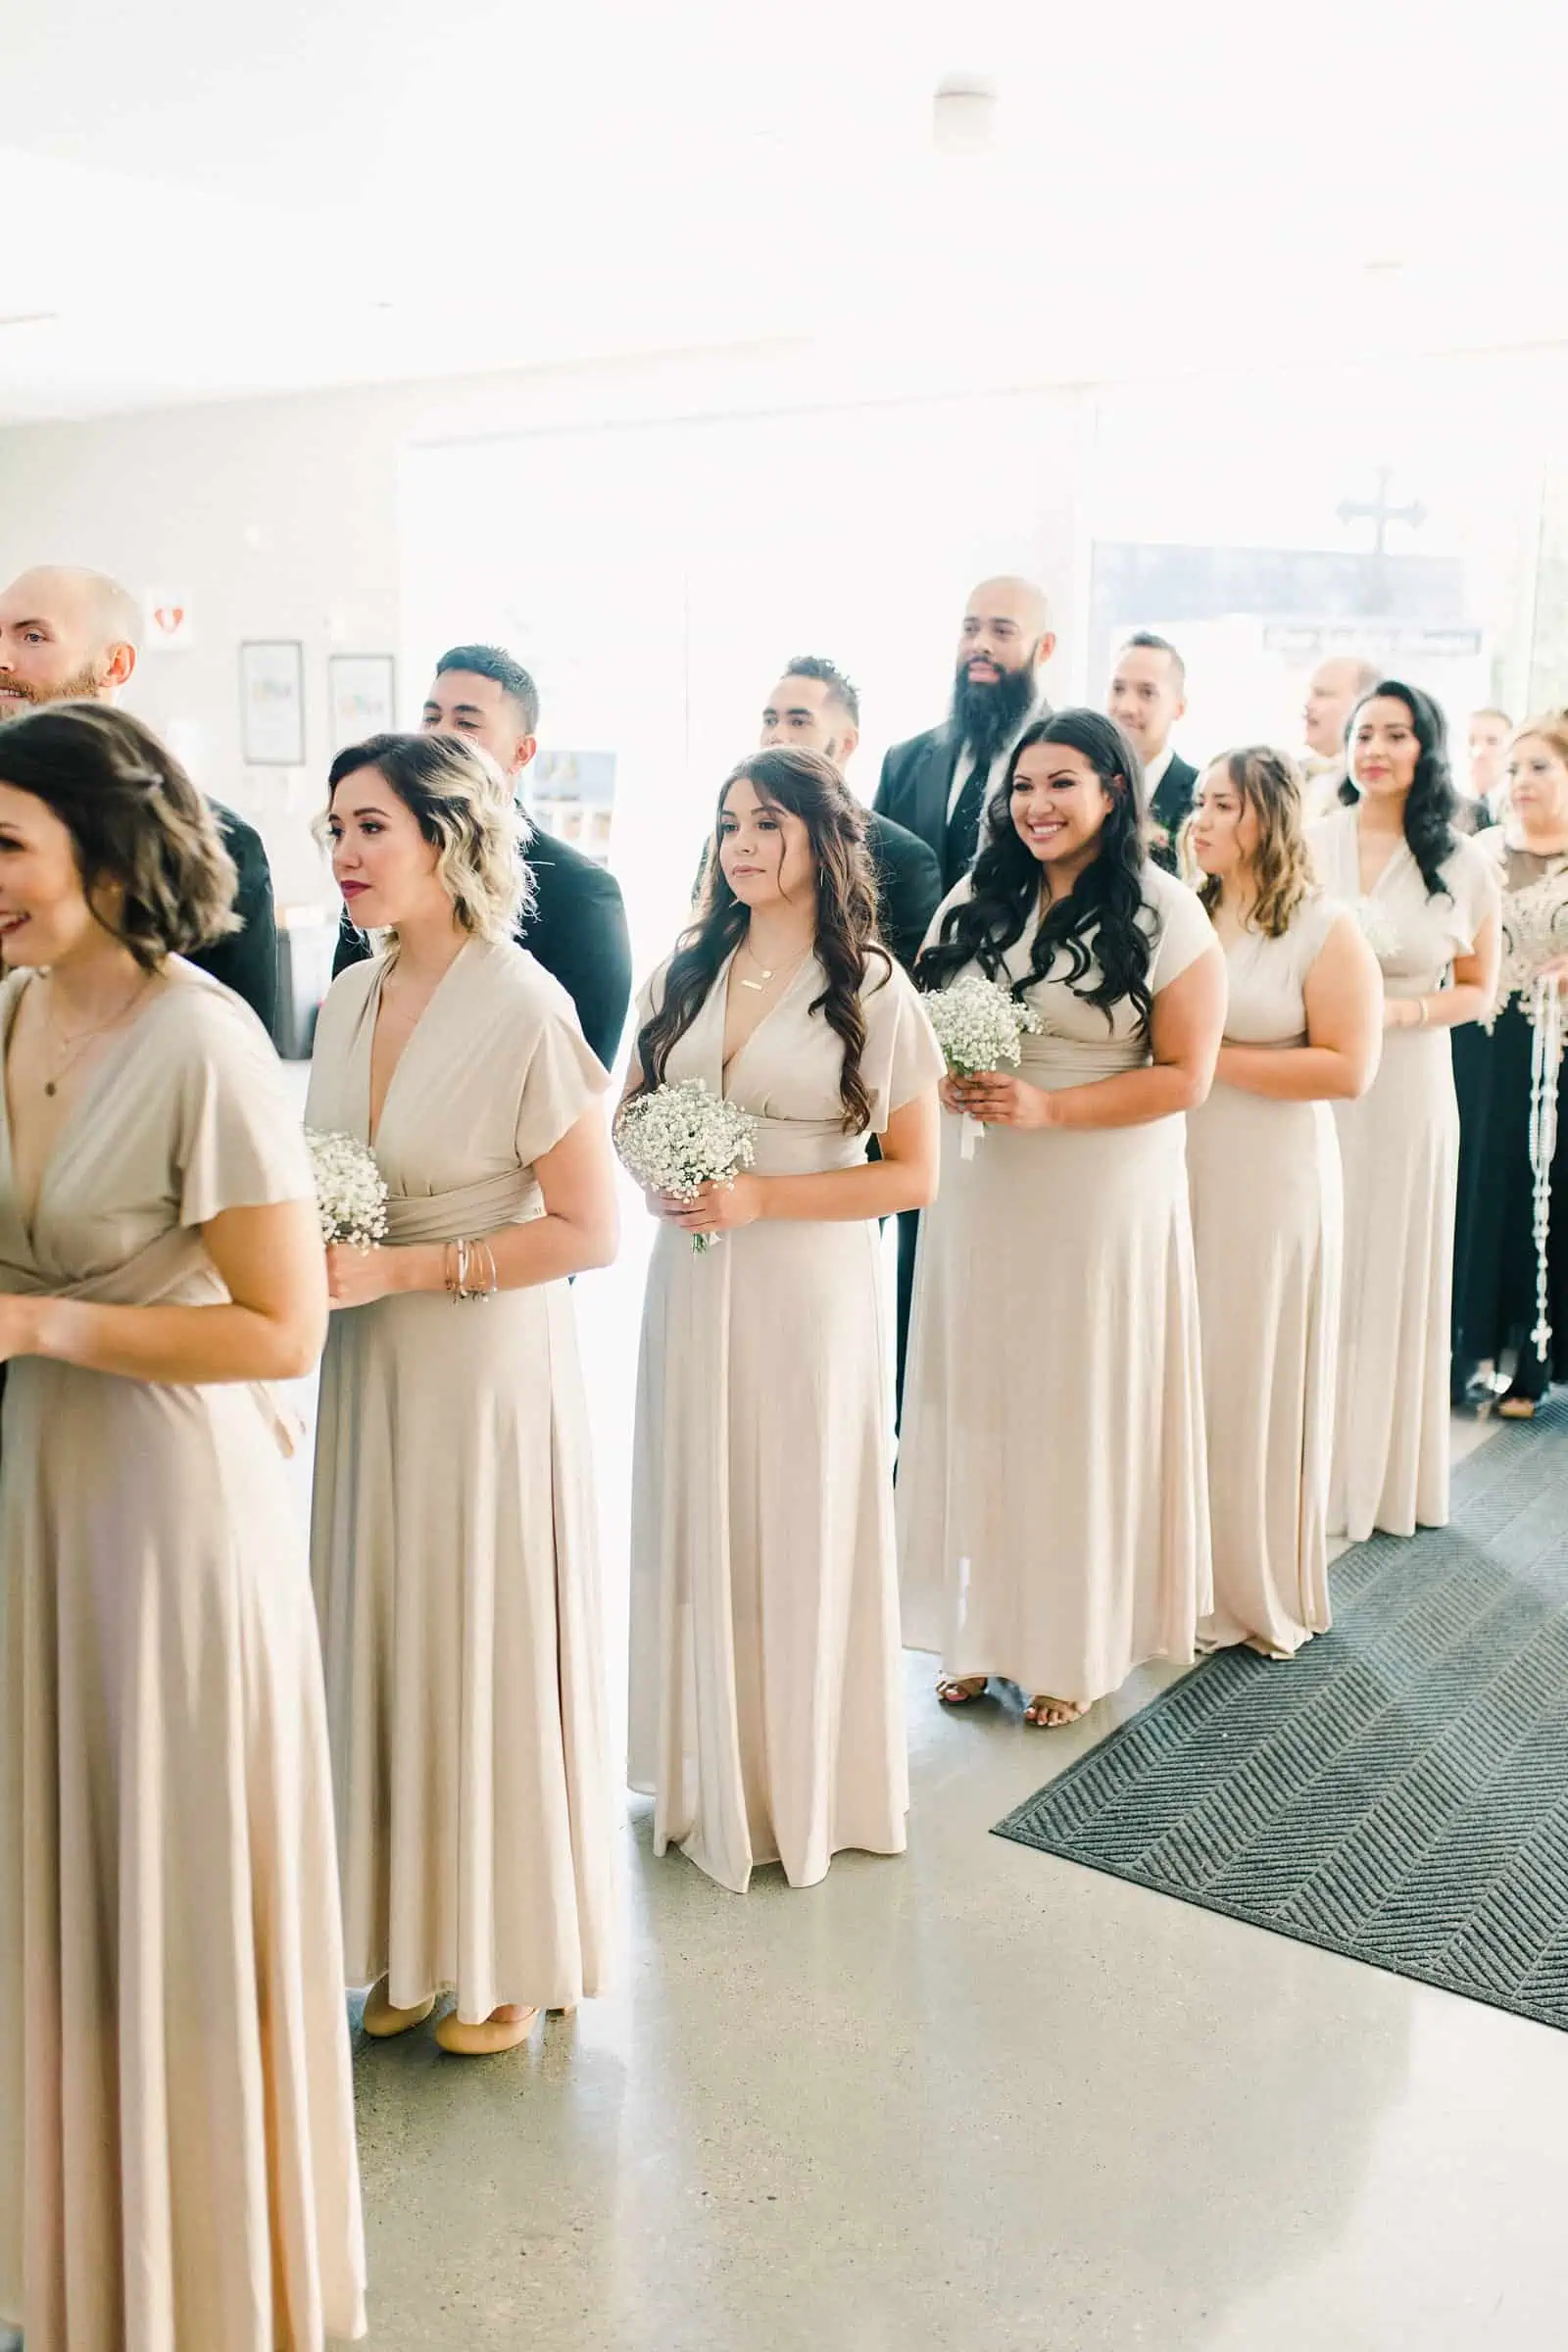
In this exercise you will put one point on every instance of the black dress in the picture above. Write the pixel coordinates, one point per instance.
(1496, 1254)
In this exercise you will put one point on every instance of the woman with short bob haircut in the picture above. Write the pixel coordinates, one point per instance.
(1303, 1029)
(178, 2162)
(454, 1534)
(1052, 1494)
(1427, 899)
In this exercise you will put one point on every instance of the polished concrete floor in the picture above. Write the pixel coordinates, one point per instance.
(972, 2097)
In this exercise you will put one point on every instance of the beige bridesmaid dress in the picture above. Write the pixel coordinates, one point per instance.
(454, 1532)
(767, 1706)
(1400, 1148)
(1267, 1202)
(1052, 1494)
(177, 2166)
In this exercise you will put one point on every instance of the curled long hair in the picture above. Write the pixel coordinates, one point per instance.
(1433, 802)
(802, 784)
(153, 866)
(464, 807)
(1095, 925)
(1269, 783)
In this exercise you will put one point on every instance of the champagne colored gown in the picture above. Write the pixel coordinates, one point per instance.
(177, 2165)
(1400, 1148)
(1268, 1222)
(1053, 1489)
(766, 1695)
(454, 1532)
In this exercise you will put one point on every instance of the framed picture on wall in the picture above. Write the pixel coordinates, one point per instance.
(271, 703)
(362, 692)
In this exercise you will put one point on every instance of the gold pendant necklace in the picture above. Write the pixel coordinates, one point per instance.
(76, 1046)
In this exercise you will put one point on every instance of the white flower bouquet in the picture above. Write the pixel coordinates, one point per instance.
(680, 1137)
(1378, 928)
(350, 1193)
(978, 1025)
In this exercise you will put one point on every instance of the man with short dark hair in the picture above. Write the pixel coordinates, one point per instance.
(1486, 788)
(576, 927)
(938, 784)
(1147, 695)
(815, 708)
(68, 634)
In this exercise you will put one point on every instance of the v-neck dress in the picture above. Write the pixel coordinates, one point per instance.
(178, 2159)
(766, 1710)
(1053, 1490)
(1267, 1225)
(1400, 1148)
(454, 1528)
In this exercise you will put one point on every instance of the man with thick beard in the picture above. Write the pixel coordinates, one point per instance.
(72, 635)
(938, 784)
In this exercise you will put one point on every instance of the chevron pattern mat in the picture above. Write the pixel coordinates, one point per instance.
(1399, 1791)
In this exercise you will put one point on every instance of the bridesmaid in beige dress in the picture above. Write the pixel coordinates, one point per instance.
(1428, 901)
(177, 2164)
(1053, 1496)
(1303, 1029)
(766, 1714)
(453, 1534)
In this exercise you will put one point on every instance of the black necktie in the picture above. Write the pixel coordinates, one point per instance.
(963, 827)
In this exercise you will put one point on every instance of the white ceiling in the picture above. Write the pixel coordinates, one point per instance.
(212, 199)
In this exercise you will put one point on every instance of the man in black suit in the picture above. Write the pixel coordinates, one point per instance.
(1147, 696)
(938, 784)
(577, 926)
(813, 707)
(70, 635)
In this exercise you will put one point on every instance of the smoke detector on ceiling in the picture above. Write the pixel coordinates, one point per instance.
(964, 114)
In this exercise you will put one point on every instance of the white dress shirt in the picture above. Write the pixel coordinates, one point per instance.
(1154, 769)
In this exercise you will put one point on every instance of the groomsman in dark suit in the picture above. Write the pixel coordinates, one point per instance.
(1147, 695)
(815, 708)
(938, 784)
(72, 635)
(577, 926)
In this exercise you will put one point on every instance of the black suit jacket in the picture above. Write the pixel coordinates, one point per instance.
(916, 779)
(578, 930)
(247, 959)
(1170, 808)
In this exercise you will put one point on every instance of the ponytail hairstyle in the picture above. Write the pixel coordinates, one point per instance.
(1433, 802)
(802, 784)
(1097, 923)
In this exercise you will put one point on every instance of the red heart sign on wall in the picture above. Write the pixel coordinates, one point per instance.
(168, 618)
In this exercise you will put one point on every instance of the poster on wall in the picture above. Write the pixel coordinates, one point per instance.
(166, 622)
(362, 692)
(572, 794)
(271, 703)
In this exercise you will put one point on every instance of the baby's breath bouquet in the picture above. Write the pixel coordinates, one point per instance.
(679, 1138)
(978, 1025)
(349, 1195)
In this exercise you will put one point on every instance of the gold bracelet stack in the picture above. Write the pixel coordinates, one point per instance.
(465, 1260)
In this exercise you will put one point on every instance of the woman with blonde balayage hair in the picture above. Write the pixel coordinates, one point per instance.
(176, 2123)
(1303, 1030)
(453, 1534)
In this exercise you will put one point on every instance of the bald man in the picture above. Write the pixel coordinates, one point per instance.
(1335, 688)
(937, 784)
(72, 635)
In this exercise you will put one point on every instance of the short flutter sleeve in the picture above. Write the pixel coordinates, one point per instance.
(902, 1058)
(238, 1142)
(1184, 930)
(563, 1079)
(1474, 882)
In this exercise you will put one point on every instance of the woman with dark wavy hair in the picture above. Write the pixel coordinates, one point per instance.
(1053, 1496)
(766, 1718)
(1428, 901)
(176, 2157)
(1302, 1028)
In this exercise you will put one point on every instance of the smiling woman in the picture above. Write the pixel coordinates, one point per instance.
(169, 1905)
(1054, 1291)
